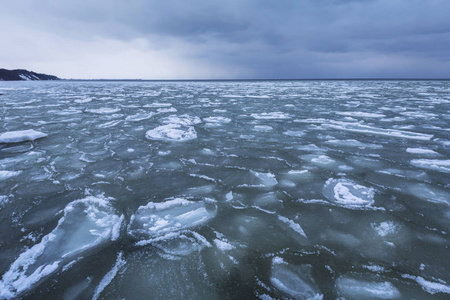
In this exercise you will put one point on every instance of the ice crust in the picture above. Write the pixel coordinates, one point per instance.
(347, 193)
(86, 225)
(345, 176)
(21, 136)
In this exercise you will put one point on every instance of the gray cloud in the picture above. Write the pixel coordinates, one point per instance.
(265, 38)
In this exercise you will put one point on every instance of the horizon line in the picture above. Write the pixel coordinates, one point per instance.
(268, 79)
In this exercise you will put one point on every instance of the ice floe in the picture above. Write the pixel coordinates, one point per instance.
(293, 225)
(103, 110)
(360, 114)
(347, 193)
(441, 165)
(21, 136)
(86, 224)
(172, 133)
(164, 218)
(390, 132)
(271, 116)
(183, 120)
(216, 121)
(422, 151)
(358, 286)
(431, 287)
(8, 174)
(295, 281)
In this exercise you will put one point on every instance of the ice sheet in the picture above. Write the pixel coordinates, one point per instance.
(21, 136)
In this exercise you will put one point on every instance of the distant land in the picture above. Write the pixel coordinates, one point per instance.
(19, 74)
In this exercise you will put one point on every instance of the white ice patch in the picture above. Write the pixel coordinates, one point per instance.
(428, 192)
(360, 128)
(223, 245)
(271, 116)
(294, 133)
(296, 281)
(87, 224)
(353, 143)
(262, 128)
(103, 111)
(159, 219)
(429, 286)
(295, 226)
(21, 136)
(353, 288)
(183, 120)
(84, 100)
(266, 179)
(433, 164)
(172, 132)
(216, 121)
(157, 104)
(347, 193)
(140, 117)
(360, 114)
(422, 151)
(385, 228)
(8, 174)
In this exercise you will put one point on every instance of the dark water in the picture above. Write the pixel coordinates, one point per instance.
(221, 190)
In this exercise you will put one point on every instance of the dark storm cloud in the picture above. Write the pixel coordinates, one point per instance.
(269, 38)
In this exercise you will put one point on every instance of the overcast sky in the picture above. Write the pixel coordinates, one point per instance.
(208, 39)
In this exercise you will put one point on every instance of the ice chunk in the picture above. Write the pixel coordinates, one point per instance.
(266, 179)
(217, 121)
(172, 132)
(360, 128)
(262, 128)
(295, 226)
(87, 224)
(159, 219)
(422, 151)
(183, 120)
(271, 116)
(385, 228)
(429, 286)
(353, 143)
(8, 174)
(181, 244)
(21, 136)
(347, 193)
(140, 116)
(355, 288)
(360, 114)
(223, 245)
(295, 133)
(433, 164)
(103, 111)
(267, 202)
(296, 281)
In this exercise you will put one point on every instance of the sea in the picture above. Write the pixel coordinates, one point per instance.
(285, 189)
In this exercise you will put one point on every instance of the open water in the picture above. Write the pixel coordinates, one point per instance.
(225, 190)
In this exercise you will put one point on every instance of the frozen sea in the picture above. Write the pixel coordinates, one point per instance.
(225, 190)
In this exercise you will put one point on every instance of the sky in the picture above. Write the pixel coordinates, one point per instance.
(232, 39)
